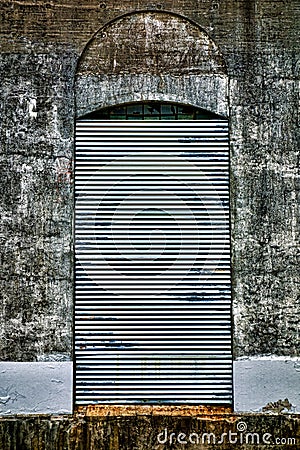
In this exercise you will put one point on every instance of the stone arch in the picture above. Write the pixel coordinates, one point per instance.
(151, 55)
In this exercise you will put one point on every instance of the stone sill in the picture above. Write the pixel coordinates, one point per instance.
(152, 410)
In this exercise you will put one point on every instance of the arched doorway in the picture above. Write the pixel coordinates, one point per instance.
(153, 308)
(153, 256)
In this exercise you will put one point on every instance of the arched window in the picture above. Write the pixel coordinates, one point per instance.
(151, 111)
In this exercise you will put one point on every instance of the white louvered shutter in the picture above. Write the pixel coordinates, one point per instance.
(153, 301)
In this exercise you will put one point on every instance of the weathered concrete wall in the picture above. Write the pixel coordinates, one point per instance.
(264, 92)
(36, 204)
(150, 432)
(114, 69)
(41, 43)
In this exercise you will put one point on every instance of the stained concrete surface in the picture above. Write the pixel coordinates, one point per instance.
(150, 432)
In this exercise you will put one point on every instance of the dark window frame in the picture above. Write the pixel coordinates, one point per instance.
(151, 110)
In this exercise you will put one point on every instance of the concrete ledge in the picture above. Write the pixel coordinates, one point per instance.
(270, 385)
(35, 387)
(267, 384)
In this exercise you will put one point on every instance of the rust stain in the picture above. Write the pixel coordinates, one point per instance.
(213, 412)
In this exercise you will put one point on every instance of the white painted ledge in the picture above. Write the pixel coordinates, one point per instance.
(263, 380)
(47, 387)
(36, 388)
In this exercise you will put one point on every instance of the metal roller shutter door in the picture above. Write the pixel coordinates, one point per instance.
(153, 301)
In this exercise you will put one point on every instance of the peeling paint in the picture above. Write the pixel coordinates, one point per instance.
(279, 406)
(32, 108)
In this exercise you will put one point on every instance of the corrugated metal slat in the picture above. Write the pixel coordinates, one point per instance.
(153, 291)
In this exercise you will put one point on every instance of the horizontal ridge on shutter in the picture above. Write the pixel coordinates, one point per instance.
(152, 274)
